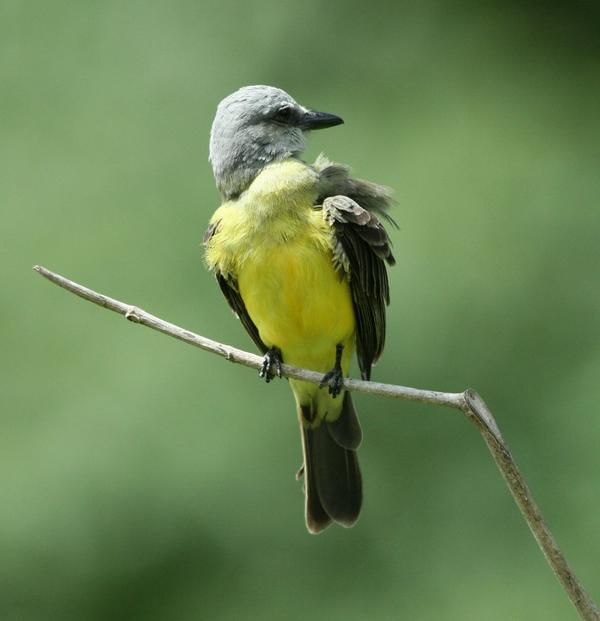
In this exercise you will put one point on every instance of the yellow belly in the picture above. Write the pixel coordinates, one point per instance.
(299, 303)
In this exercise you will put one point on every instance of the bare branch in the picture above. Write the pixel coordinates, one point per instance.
(137, 315)
(468, 402)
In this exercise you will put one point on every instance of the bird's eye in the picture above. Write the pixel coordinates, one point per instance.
(285, 115)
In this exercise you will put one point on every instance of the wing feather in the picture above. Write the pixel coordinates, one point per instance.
(361, 249)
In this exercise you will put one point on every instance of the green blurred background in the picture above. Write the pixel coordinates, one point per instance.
(143, 479)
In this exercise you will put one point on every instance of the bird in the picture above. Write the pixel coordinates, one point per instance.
(300, 253)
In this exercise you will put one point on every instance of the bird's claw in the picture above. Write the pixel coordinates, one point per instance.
(335, 380)
(271, 366)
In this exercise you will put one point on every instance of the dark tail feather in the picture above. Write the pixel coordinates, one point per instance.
(345, 430)
(317, 518)
(336, 474)
(333, 483)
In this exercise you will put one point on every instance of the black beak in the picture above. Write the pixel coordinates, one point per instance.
(318, 120)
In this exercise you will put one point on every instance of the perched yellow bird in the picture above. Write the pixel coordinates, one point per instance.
(300, 256)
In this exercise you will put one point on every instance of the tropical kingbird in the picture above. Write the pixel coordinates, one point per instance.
(300, 256)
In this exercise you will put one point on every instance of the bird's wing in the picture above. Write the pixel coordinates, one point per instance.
(230, 290)
(361, 250)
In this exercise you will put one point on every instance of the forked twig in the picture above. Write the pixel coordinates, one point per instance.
(468, 402)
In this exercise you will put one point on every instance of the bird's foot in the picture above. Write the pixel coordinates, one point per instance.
(271, 366)
(335, 378)
(300, 472)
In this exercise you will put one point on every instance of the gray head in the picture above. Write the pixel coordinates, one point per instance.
(255, 126)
